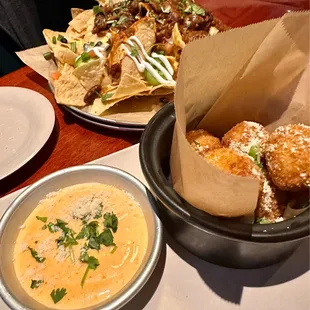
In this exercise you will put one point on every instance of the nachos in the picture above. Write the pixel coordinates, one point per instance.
(122, 49)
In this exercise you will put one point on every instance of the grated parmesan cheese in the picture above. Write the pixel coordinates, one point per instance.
(62, 254)
(45, 245)
(86, 208)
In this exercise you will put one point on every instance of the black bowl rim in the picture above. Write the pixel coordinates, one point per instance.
(258, 231)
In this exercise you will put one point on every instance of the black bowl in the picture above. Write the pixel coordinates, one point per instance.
(221, 241)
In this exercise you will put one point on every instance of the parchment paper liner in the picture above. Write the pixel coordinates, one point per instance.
(258, 73)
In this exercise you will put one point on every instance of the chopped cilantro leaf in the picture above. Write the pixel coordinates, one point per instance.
(35, 255)
(97, 9)
(83, 234)
(106, 238)
(42, 219)
(134, 51)
(52, 228)
(121, 20)
(255, 154)
(93, 243)
(88, 230)
(105, 97)
(84, 255)
(44, 227)
(67, 239)
(110, 221)
(93, 263)
(114, 249)
(58, 294)
(262, 220)
(193, 8)
(36, 283)
(99, 213)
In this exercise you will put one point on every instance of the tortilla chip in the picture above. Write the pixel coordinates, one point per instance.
(61, 51)
(48, 36)
(106, 81)
(89, 36)
(75, 12)
(144, 30)
(90, 73)
(68, 89)
(130, 86)
(161, 90)
(98, 107)
(64, 55)
(79, 23)
(177, 37)
(73, 34)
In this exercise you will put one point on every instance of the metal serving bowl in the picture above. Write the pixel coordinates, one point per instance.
(10, 289)
(218, 240)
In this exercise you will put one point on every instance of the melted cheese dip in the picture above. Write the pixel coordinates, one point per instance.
(58, 271)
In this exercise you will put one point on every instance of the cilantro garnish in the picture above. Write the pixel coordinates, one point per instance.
(35, 255)
(255, 154)
(93, 243)
(36, 283)
(134, 51)
(97, 9)
(105, 97)
(99, 213)
(106, 238)
(93, 263)
(52, 227)
(89, 230)
(114, 249)
(121, 20)
(111, 221)
(262, 220)
(193, 8)
(58, 294)
(42, 219)
(67, 238)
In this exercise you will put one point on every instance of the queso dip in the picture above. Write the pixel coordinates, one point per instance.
(80, 246)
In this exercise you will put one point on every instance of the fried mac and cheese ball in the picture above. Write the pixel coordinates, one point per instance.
(288, 157)
(234, 162)
(271, 202)
(245, 135)
(202, 141)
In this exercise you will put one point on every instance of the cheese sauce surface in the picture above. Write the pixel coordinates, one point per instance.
(78, 206)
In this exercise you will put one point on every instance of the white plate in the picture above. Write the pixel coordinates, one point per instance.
(26, 121)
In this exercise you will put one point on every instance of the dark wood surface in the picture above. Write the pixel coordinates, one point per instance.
(73, 142)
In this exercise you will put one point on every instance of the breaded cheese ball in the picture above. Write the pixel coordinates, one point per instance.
(202, 141)
(234, 162)
(288, 157)
(245, 135)
(271, 203)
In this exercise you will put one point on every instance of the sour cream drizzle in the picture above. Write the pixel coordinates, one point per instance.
(143, 65)
(99, 50)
